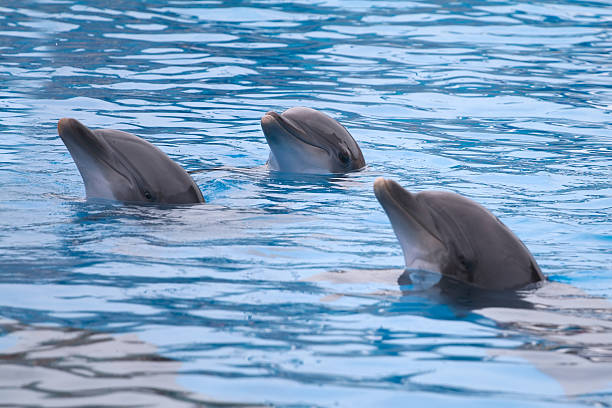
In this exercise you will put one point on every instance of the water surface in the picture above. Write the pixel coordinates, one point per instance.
(506, 102)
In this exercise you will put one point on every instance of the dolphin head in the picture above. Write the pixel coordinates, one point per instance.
(120, 166)
(304, 140)
(447, 233)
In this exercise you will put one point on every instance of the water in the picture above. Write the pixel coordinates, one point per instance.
(238, 301)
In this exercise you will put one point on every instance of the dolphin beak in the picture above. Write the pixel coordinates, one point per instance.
(279, 130)
(380, 185)
(271, 125)
(269, 118)
(394, 199)
(93, 157)
(79, 139)
(393, 202)
(412, 224)
(400, 204)
(384, 188)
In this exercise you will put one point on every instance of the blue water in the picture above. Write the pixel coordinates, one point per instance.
(509, 103)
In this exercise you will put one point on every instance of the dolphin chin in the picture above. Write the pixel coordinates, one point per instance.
(120, 166)
(303, 140)
(447, 233)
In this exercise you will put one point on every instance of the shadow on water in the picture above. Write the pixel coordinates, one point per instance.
(569, 330)
(458, 295)
(563, 332)
(55, 366)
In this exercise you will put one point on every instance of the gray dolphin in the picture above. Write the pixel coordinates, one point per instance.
(120, 166)
(447, 233)
(304, 140)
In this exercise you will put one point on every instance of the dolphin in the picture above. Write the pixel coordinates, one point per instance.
(304, 140)
(450, 234)
(120, 166)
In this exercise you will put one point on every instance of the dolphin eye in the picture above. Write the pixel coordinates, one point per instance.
(344, 157)
(148, 195)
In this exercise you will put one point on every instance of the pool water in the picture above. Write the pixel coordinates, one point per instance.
(239, 300)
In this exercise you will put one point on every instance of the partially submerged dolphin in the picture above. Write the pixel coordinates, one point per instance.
(447, 233)
(120, 166)
(304, 140)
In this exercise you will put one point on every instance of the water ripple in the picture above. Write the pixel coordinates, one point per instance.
(238, 300)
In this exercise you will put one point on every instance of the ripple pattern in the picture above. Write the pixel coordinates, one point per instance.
(509, 103)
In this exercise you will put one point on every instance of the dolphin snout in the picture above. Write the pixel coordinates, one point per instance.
(393, 196)
(382, 188)
(269, 118)
(65, 124)
(379, 183)
(72, 131)
(81, 141)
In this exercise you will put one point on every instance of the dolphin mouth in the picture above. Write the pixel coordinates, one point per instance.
(422, 247)
(82, 141)
(387, 192)
(76, 136)
(383, 192)
(86, 148)
(271, 118)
